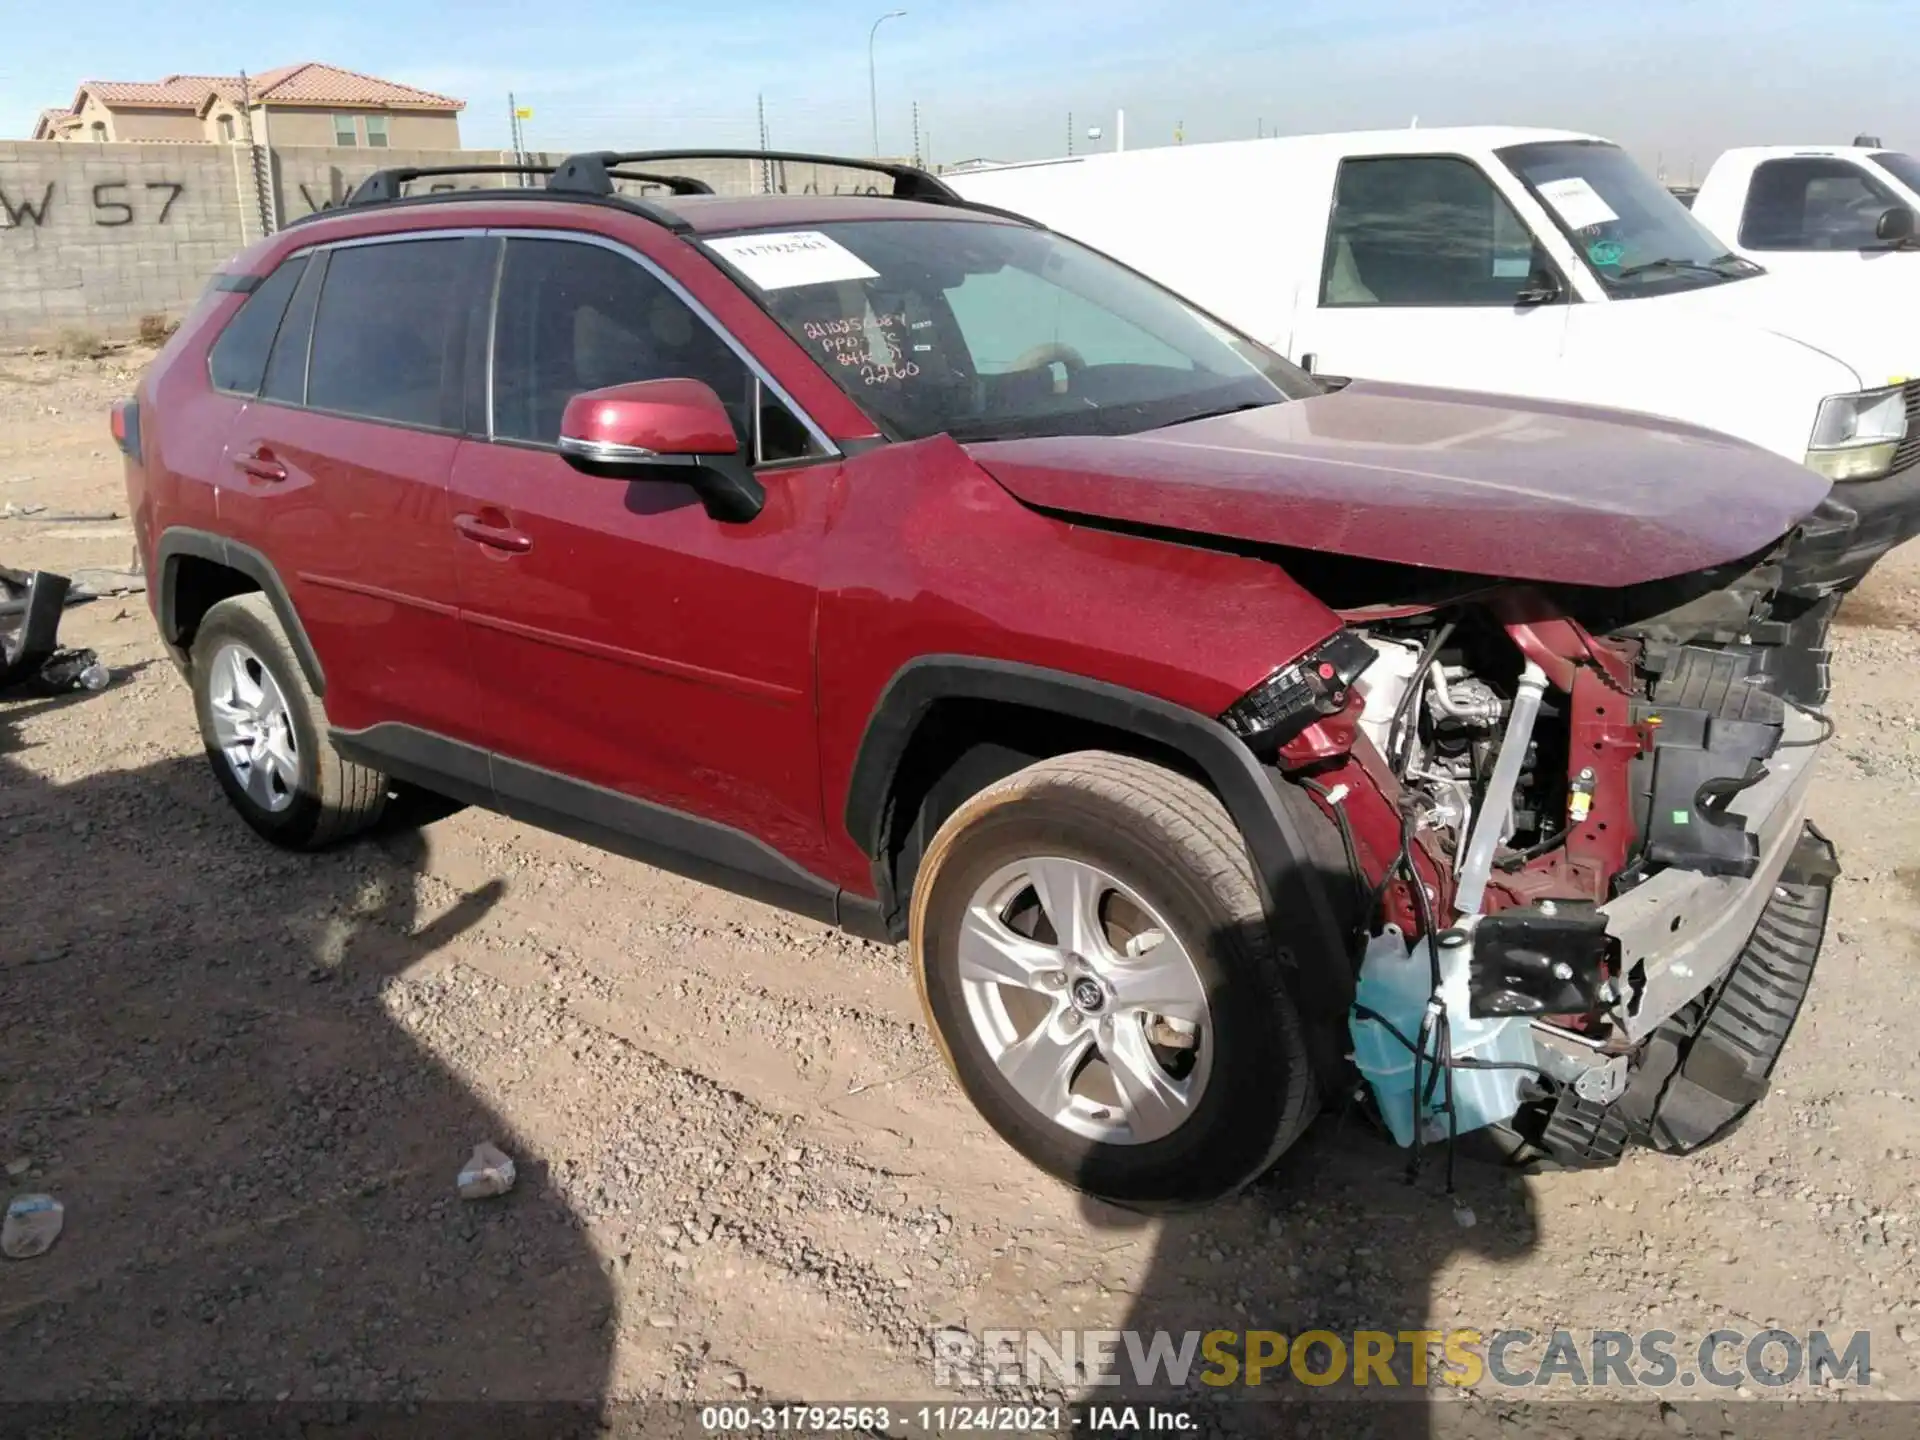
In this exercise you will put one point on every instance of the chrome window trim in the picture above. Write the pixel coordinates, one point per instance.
(829, 450)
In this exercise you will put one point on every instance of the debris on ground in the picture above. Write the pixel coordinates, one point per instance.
(30, 653)
(73, 670)
(488, 1172)
(97, 581)
(32, 1225)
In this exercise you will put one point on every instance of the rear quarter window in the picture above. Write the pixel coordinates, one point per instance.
(239, 358)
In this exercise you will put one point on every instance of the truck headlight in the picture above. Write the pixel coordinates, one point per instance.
(1855, 437)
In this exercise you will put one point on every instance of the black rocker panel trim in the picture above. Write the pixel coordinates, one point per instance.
(670, 839)
(204, 545)
(1296, 900)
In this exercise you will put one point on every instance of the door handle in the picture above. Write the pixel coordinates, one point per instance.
(260, 464)
(500, 536)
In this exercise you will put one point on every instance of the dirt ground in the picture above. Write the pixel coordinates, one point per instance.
(251, 1078)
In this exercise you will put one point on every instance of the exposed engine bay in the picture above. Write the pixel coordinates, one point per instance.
(1595, 903)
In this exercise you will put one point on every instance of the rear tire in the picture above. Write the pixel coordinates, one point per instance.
(1212, 1078)
(265, 733)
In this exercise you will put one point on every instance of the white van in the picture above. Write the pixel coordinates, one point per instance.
(1820, 212)
(1533, 262)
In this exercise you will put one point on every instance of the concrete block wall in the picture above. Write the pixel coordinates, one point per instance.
(95, 237)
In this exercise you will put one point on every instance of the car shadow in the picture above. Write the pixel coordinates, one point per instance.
(213, 1057)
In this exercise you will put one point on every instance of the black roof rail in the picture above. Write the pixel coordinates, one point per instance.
(384, 185)
(588, 172)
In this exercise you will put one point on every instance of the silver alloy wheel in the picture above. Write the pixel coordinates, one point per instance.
(253, 726)
(1086, 1000)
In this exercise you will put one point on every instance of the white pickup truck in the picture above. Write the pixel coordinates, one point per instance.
(1820, 211)
(1532, 262)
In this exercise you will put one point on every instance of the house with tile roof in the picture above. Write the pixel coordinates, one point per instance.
(305, 104)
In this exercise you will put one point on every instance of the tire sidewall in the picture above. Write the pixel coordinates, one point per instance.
(1231, 1134)
(226, 622)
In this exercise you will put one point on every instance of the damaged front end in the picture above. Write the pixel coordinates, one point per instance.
(1591, 900)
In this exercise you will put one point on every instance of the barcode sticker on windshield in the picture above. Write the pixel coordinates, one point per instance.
(793, 257)
(1578, 202)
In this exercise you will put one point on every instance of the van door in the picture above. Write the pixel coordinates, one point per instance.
(1425, 278)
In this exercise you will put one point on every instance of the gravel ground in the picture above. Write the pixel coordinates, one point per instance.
(251, 1077)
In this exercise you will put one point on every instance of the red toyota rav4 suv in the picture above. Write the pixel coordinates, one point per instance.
(896, 561)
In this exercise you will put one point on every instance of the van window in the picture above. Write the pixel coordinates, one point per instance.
(575, 317)
(385, 340)
(1631, 232)
(1423, 230)
(1903, 168)
(239, 356)
(1813, 203)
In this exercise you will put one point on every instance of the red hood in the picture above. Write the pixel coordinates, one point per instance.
(1489, 485)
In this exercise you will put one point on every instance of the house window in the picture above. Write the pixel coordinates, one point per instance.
(343, 131)
(100, 130)
(226, 128)
(377, 131)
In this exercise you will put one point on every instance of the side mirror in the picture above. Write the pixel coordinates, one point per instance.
(663, 430)
(1542, 288)
(1894, 226)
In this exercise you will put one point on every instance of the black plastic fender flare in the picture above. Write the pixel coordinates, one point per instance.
(1298, 908)
(180, 541)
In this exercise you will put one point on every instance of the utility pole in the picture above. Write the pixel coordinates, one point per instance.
(873, 83)
(916, 132)
(1119, 131)
(259, 159)
(1069, 132)
(1179, 132)
(766, 166)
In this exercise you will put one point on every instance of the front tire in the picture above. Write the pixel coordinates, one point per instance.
(1095, 962)
(265, 733)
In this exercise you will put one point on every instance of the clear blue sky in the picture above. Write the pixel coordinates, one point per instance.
(1673, 79)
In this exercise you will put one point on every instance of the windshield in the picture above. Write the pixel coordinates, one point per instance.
(1903, 168)
(989, 331)
(1632, 233)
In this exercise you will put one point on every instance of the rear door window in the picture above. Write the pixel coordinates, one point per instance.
(1423, 230)
(239, 357)
(390, 331)
(1813, 202)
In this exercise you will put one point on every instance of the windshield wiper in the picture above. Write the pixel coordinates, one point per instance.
(1716, 266)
